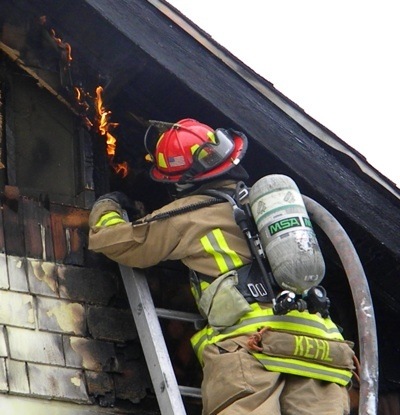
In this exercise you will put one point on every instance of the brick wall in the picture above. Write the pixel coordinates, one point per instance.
(66, 332)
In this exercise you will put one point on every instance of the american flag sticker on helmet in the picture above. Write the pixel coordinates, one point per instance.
(176, 161)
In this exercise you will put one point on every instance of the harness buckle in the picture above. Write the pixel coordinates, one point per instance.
(242, 191)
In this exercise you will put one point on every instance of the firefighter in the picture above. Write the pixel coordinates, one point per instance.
(254, 360)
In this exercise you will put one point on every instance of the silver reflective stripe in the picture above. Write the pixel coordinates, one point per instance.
(291, 366)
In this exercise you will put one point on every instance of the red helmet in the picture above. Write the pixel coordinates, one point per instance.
(189, 151)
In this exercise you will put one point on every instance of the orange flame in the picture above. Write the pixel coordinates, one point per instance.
(104, 125)
(122, 168)
(81, 96)
(78, 93)
(104, 128)
(63, 45)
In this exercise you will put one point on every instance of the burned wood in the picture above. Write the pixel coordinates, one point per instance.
(14, 240)
(37, 229)
(69, 231)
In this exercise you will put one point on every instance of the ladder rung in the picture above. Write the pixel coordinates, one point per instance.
(179, 315)
(190, 391)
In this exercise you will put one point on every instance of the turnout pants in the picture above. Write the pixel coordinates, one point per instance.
(236, 383)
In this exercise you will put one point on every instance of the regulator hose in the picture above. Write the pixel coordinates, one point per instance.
(363, 304)
(180, 211)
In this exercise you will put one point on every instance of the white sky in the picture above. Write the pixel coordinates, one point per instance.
(338, 60)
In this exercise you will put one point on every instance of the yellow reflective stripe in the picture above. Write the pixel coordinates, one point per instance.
(287, 322)
(237, 262)
(199, 342)
(195, 291)
(303, 368)
(216, 245)
(211, 136)
(217, 256)
(109, 219)
(252, 321)
(208, 336)
(161, 161)
(194, 148)
(294, 321)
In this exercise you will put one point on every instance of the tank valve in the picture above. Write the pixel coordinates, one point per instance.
(286, 301)
(317, 301)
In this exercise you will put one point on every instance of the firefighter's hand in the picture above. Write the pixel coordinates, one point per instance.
(117, 197)
(109, 202)
(119, 202)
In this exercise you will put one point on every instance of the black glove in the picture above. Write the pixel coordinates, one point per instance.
(117, 197)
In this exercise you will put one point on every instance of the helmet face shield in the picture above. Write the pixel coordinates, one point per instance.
(211, 154)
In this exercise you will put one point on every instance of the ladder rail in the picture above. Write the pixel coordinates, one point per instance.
(166, 388)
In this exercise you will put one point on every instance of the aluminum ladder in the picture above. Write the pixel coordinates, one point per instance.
(168, 392)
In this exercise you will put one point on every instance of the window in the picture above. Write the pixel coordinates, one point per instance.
(45, 148)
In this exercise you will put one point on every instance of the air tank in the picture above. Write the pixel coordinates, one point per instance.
(286, 233)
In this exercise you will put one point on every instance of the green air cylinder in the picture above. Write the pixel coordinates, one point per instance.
(286, 233)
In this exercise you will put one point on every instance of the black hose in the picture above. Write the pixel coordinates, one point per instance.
(363, 304)
(180, 211)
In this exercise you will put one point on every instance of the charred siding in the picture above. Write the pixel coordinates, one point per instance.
(69, 333)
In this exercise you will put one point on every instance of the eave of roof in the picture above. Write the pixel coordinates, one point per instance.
(156, 58)
(270, 92)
